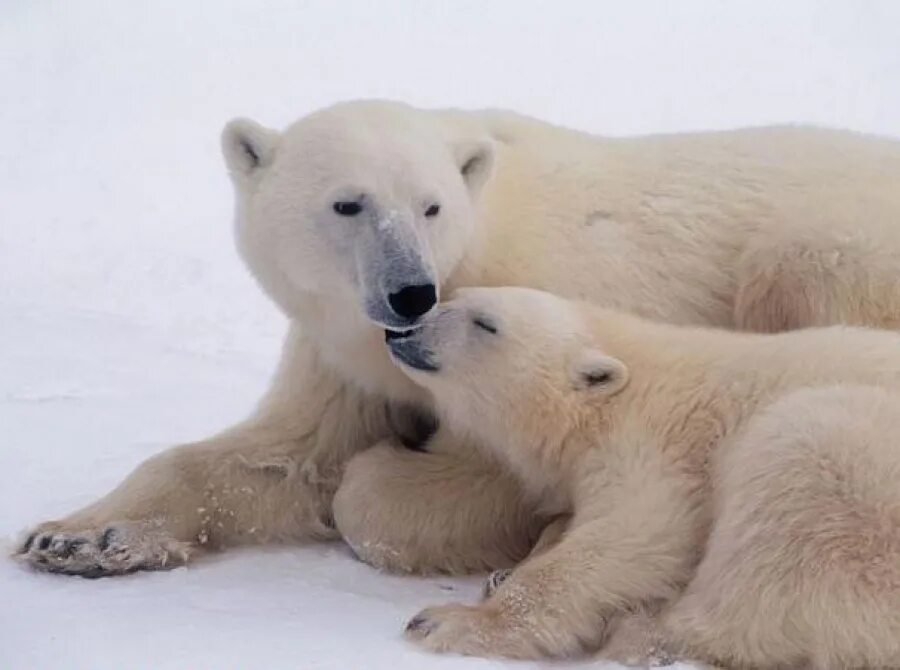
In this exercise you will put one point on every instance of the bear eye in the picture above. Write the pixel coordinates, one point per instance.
(485, 325)
(432, 210)
(347, 207)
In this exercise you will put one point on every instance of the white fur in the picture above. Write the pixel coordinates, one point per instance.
(763, 229)
(745, 484)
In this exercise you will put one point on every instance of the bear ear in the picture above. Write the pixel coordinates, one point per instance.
(597, 372)
(247, 146)
(475, 160)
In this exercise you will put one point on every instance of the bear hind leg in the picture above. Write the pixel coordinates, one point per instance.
(802, 566)
(819, 277)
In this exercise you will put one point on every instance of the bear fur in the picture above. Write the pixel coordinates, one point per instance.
(746, 483)
(358, 217)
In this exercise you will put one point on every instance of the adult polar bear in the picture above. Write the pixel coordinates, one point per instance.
(356, 219)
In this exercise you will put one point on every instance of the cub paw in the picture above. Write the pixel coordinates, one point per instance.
(453, 628)
(111, 549)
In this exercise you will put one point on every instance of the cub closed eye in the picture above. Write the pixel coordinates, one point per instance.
(485, 325)
(347, 207)
(432, 210)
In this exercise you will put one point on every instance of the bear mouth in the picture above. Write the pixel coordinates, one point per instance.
(408, 351)
(398, 334)
(413, 359)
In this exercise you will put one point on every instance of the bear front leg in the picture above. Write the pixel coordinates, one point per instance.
(255, 483)
(224, 491)
(551, 534)
(633, 543)
(444, 510)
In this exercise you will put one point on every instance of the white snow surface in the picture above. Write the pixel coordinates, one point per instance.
(127, 322)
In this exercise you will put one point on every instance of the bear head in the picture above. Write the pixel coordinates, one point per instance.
(367, 205)
(513, 366)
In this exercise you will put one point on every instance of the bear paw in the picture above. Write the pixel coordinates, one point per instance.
(453, 628)
(112, 549)
(482, 630)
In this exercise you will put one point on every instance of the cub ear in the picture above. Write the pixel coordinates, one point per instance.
(597, 372)
(475, 161)
(247, 146)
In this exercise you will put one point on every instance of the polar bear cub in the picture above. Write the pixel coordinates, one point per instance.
(749, 485)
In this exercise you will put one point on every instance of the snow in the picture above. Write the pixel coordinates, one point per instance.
(127, 322)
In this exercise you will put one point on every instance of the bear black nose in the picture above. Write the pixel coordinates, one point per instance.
(411, 302)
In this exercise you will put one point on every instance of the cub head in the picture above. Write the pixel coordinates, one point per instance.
(369, 205)
(513, 366)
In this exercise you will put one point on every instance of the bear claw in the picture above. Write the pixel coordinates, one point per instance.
(494, 580)
(420, 627)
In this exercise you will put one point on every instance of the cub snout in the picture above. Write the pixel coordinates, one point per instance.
(408, 349)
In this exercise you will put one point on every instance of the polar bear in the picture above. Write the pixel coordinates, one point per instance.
(777, 452)
(357, 218)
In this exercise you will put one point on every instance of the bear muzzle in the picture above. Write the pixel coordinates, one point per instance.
(407, 349)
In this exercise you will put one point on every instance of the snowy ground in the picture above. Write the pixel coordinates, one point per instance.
(127, 322)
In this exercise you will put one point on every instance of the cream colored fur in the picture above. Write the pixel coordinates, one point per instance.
(746, 484)
(760, 229)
